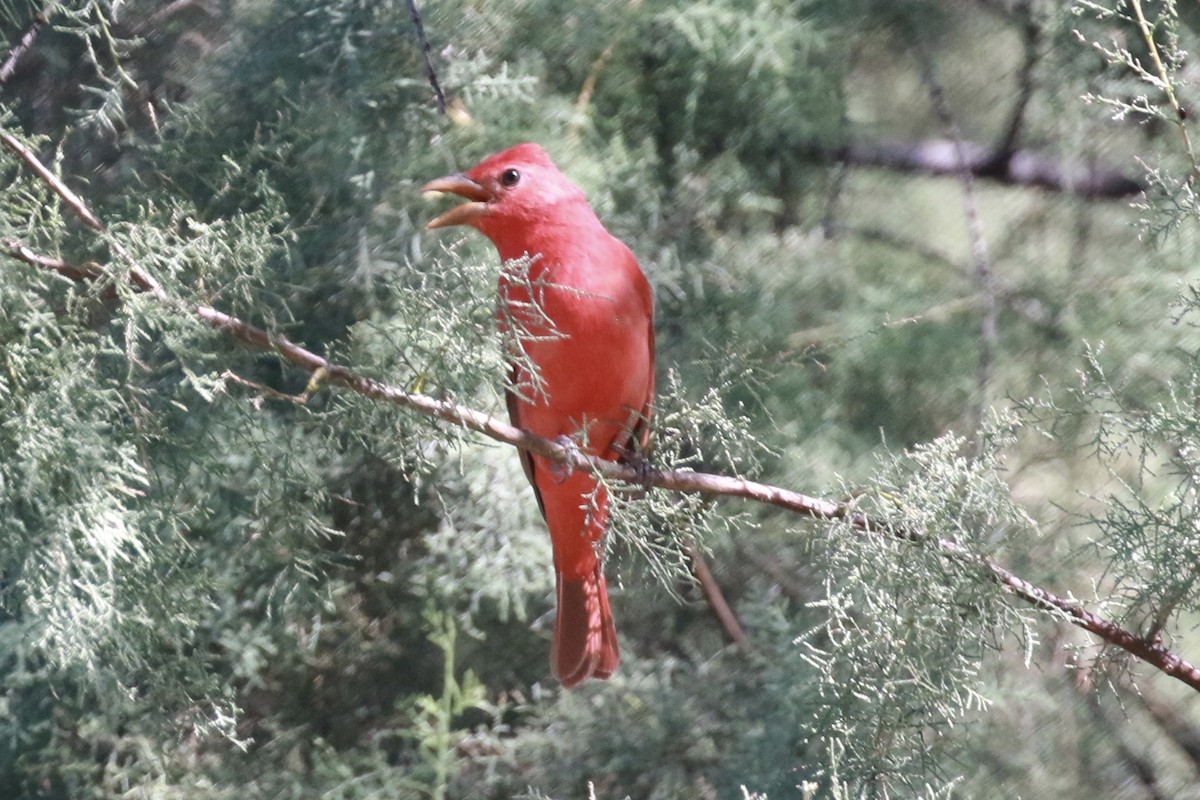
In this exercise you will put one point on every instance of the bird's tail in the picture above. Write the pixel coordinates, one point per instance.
(585, 640)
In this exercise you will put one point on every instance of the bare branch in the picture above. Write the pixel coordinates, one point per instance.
(430, 73)
(716, 598)
(61, 189)
(570, 457)
(584, 98)
(22, 253)
(1031, 35)
(1016, 168)
(25, 42)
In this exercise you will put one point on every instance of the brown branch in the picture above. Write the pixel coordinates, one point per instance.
(584, 99)
(76, 273)
(1031, 34)
(716, 598)
(1018, 167)
(139, 277)
(61, 189)
(25, 42)
(568, 456)
(430, 72)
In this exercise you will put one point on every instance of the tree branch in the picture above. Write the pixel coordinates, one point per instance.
(716, 598)
(570, 457)
(980, 259)
(25, 42)
(1031, 35)
(1165, 82)
(42, 171)
(430, 72)
(1017, 167)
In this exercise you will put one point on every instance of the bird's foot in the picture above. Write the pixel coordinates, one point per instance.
(639, 462)
(572, 458)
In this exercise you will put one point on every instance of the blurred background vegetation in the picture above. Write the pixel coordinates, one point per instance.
(207, 591)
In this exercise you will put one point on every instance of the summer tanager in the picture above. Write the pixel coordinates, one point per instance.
(583, 317)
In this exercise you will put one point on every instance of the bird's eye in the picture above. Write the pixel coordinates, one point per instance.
(510, 177)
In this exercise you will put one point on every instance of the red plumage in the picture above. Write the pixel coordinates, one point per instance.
(592, 341)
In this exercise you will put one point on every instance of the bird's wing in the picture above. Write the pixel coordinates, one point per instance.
(639, 434)
(514, 416)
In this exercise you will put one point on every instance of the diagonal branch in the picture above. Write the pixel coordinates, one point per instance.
(430, 72)
(53, 181)
(1031, 34)
(25, 42)
(569, 457)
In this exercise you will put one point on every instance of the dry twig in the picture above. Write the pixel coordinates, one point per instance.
(25, 42)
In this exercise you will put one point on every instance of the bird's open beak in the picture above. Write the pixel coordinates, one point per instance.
(464, 214)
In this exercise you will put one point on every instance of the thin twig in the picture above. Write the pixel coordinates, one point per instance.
(26, 41)
(1168, 88)
(264, 391)
(426, 52)
(22, 253)
(584, 99)
(716, 598)
(829, 218)
(1031, 35)
(140, 277)
(981, 261)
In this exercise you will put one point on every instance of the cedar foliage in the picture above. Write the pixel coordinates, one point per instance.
(209, 590)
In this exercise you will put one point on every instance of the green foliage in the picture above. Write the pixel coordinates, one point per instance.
(909, 624)
(222, 578)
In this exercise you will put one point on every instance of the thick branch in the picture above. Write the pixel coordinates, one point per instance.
(1017, 167)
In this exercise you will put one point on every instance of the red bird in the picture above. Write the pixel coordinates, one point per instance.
(591, 340)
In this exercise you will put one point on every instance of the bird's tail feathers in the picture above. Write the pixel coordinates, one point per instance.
(585, 639)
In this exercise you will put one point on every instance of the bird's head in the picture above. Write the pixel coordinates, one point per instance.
(507, 192)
